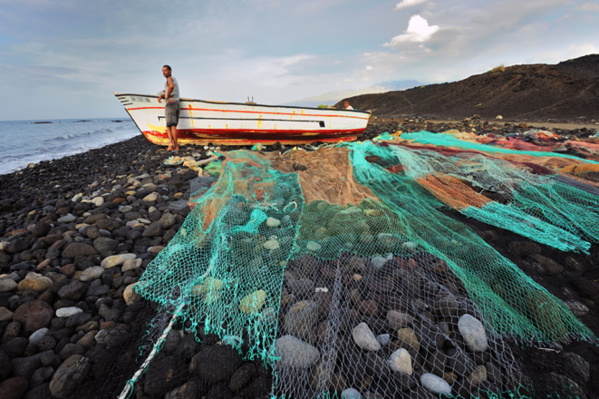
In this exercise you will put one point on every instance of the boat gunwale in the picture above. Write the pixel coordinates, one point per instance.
(251, 105)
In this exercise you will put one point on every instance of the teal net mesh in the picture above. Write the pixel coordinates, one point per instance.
(539, 207)
(447, 140)
(340, 270)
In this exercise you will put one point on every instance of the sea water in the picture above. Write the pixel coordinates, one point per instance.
(25, 142)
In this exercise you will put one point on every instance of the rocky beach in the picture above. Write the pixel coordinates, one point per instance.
(77, 233)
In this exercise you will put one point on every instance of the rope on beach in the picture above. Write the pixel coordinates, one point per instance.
(128, 389)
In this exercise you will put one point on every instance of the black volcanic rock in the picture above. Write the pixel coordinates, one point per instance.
(563, 92)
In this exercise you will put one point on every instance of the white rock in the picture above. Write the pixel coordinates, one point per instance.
(68, 311)
(384, 339)
(34, 275)
(7, 284)
(131, 264)
(313, 246)
(38, 335)
(435, 384)
(153, 250)
(98, 201)
(116, 260)
(68, 218)
(77, 197)
(271, 244)
(131, 296)
(350, 393)
(473, 332)
(499, 117)
(364, 337)
(401, 361)
(399, 319)
(91, 273)
(409, 246)
(578, 308)
(149, 186)
(378, 262)
(296, 353)
(272, 222)
(151, 197)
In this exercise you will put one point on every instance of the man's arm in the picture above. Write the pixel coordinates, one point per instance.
(171, 86)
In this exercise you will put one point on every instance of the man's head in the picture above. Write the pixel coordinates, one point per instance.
(166, 71)
(346, 104)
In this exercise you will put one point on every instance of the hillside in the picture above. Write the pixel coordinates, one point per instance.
(566, 91)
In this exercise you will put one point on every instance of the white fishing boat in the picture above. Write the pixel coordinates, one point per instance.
(210, 122)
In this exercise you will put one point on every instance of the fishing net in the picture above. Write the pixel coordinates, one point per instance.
(536, 206)
(340, 272)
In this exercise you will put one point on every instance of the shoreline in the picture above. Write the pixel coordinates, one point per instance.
(379, 124)
(37, 141)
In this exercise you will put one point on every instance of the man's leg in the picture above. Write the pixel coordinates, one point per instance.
(170, 118)
(174, 140)
(170, 138)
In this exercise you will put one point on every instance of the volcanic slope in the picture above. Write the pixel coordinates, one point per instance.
(568, 91)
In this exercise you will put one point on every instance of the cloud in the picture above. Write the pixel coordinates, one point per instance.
(277, 50)
(589, 7)
(578, 50)
(419, 31)
(408, 3)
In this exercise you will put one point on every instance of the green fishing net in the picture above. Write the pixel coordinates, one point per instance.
(539, 207)
(342, 272)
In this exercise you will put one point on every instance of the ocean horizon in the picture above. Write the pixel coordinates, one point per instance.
(32, 141)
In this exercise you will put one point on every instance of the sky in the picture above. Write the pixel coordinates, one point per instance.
(65, 58)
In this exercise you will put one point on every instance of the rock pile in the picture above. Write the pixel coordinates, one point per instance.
(353, 326)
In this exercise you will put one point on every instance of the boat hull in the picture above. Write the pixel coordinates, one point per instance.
(208, 122)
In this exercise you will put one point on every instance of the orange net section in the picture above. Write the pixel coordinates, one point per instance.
(452, 191)
(243, 179)
(325, 174)
(581, 169)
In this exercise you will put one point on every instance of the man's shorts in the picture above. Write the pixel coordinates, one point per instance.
(171, 113)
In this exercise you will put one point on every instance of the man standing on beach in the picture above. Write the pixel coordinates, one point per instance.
(171, 108)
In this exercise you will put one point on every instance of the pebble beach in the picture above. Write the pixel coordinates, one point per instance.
(76, 233)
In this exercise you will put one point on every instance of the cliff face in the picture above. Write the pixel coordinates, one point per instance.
(540, 92)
